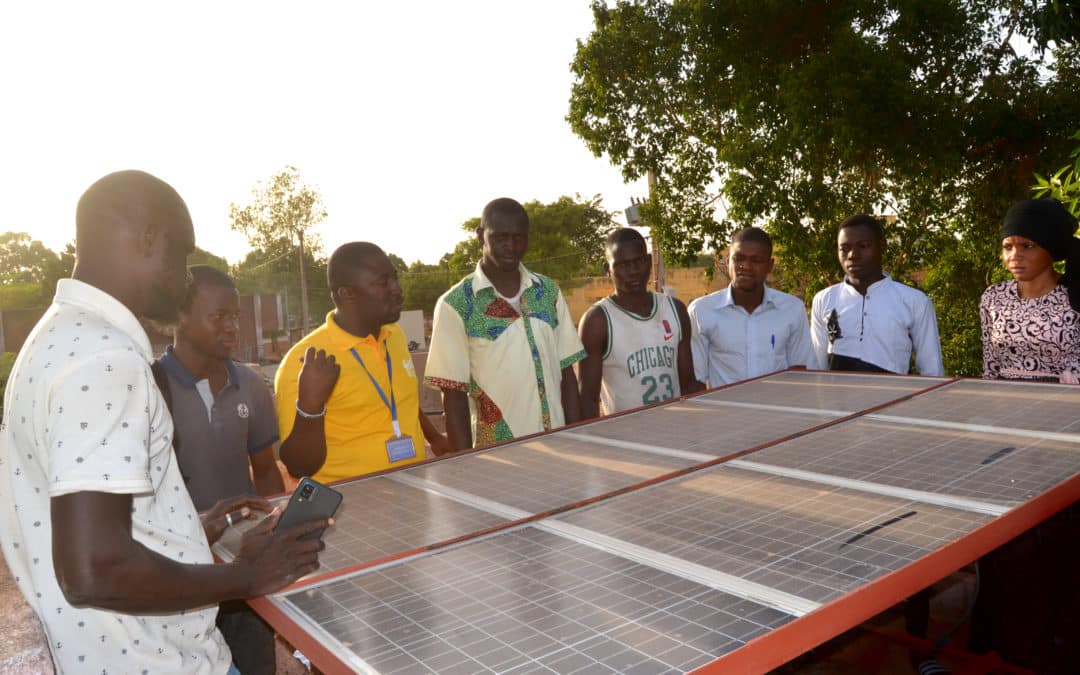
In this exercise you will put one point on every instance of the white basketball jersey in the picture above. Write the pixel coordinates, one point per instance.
(640, 362)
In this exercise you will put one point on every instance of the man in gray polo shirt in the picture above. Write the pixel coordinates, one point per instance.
(225, 423)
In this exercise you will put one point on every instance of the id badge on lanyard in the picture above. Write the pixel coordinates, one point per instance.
(399, 446)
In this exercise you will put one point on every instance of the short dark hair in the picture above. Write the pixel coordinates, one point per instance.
(123, 198)
(624, 235)
(200, 276)
(346, 259)
(503, 208)
(752, 234)
(863, 220)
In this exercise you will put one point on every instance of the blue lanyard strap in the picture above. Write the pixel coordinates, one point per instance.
(391, 403)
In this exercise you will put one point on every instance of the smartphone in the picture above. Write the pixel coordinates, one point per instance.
(309, 501)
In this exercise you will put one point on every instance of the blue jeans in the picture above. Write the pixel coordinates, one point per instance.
(233, 670)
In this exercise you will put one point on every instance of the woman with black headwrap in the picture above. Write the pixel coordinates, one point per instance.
(1029, 589)
(1030, 324)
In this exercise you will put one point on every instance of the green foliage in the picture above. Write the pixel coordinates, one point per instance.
(795, 115)
(203, 257)
(1064, 184)
(23, 260)
(422, 285)
(29, 271)
(276, 221)
(262, 273)
(566, 243)
(281, 211)
(20, 296)
(7, 362)
(398, 263)
(566, 240)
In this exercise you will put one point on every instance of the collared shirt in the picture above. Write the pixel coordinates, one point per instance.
(509, 362)
(358, 423)
(217, 433)
(729, 344)
(82, 414)
(880, 328)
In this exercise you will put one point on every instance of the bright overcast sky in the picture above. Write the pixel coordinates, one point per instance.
(407, 117)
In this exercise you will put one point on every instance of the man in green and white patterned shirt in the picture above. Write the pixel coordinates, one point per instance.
(503, 337)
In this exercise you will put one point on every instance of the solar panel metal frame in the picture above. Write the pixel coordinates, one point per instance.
(803, 633)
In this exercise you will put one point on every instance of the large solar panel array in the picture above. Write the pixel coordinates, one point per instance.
(677, 536)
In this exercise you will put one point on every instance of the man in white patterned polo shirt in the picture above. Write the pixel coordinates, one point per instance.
(95, 523)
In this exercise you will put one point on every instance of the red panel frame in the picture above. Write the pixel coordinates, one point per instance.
(779, 645)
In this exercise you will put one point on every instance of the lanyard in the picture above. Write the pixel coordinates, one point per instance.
(391, 404)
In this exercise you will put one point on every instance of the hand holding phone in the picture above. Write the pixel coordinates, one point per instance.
(310, 500)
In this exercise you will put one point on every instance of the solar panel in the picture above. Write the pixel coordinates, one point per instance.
(529, 601)
(994, 468)
(823, 390)
(696, 426)
(546, 473)
(379, 517)
(790, 535)
(710, 529)
(1003, 405)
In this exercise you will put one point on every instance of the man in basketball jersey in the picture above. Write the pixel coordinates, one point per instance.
(637, 342)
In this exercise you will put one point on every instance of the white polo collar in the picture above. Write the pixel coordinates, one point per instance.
(92, 298)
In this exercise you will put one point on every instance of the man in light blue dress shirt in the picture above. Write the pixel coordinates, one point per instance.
(748, 329)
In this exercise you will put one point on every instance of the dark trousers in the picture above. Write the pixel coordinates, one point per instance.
(249, 638)
(1029, 592)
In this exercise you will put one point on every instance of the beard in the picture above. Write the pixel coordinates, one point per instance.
(162, 307)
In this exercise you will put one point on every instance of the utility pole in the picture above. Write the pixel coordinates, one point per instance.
(657, 254)
(633, 218)
(305, 323)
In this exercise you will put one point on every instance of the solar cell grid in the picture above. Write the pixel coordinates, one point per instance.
(698, 427)
(993, 468)
(823, 390)
(1043, 407)
(786, 534)
(551, 605)
(541, 474)
(632, 583)
(380, 517)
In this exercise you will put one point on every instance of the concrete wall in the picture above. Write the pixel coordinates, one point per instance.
(688, 284)
(253, 342)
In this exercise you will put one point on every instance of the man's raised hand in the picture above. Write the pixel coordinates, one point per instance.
(318, 376)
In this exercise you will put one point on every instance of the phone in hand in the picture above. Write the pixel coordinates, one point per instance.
(310, 500)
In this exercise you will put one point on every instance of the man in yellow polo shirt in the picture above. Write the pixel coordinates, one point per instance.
(347, 396)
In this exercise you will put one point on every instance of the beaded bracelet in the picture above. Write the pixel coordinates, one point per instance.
(308, 415)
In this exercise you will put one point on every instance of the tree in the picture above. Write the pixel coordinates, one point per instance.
(566, 240)
(280, 214)
(1064, 184)
(422, 284)
(24, 260)
(7, 362)
(59, 268)
(259, 272)
(204, 257)
(795, 115)
(566, 243)
(29, 271)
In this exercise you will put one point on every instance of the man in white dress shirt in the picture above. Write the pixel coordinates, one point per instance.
(868, 322)
(748, 329)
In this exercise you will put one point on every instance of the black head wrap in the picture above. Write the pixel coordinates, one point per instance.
(1047, 223)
